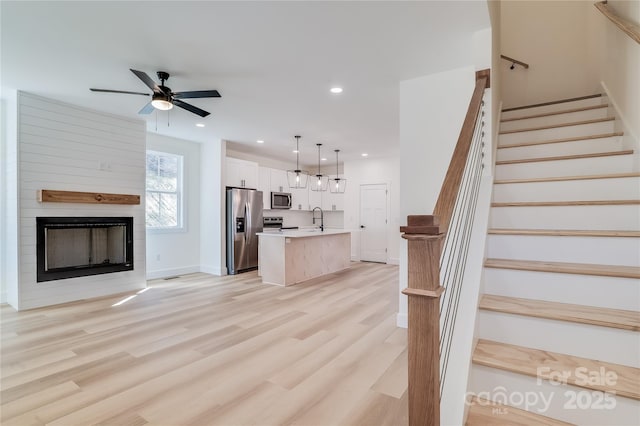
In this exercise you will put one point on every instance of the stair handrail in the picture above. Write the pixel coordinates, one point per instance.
(425, 235)
(629, 28)
(514, 61)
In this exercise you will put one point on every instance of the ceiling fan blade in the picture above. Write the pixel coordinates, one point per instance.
(190, 108)
(147, 109)
(197, 94)
(147, 80)
(118, 91)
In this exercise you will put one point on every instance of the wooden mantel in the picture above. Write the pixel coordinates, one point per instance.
(53, 196)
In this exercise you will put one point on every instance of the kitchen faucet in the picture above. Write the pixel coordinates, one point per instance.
(321, 218)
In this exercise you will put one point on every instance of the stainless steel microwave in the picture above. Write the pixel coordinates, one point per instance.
(280, 200)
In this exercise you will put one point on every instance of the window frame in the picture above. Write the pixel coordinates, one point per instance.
(179, 193)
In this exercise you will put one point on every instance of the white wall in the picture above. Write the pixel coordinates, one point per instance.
(9, 198)
(551, 37)
(64, 147)
(432, 110)
(373, 171)
(615, 61)
(496, 77)
(212, 215)
(170, 252)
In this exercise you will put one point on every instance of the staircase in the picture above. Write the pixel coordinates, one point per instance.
(559, 319)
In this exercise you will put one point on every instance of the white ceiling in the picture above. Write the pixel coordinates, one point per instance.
(273, 63)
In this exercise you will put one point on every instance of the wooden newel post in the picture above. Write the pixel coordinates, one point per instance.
(424, 247)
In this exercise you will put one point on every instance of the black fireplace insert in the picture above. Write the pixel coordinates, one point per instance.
(70, 247)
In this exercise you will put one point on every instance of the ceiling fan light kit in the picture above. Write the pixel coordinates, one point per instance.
(161, 102)
(297, 178)
(163, 98)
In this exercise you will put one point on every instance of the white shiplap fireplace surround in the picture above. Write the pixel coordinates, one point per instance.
(64, 147)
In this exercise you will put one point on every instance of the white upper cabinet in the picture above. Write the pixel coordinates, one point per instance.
(279, 181)
(241, 173)
(332, 201)
(264, 185)
(299, 198)
(315, 199)
(247, 174)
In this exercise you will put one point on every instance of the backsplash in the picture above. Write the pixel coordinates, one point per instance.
(304, 218)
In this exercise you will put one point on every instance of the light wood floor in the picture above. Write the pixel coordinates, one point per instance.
(207, 350)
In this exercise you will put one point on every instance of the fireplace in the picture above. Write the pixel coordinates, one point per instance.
(70, 247)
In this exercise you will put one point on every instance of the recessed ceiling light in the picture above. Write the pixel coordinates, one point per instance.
(336, 90)
(259, 141)
(199, 125)
(295, 151)
(323, 159)
(364, 154)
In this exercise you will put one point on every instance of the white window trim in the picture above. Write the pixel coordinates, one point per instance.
(182, 226)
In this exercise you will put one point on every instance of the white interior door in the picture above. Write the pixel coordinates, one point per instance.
(373, 223)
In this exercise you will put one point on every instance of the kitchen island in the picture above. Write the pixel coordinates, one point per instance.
(293, 256)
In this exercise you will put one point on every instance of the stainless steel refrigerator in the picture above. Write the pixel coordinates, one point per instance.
(244, 219)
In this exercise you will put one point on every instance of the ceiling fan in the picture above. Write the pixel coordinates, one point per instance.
(163, 98)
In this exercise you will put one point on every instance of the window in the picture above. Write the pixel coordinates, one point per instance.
(164, 190)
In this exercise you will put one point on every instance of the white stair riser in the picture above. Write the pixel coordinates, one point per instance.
(557, 133)
(589, 114)
(569, 338)
(588, 290)
(554, 108)
(574, 167)
(619, 218)
(597, 250)
(487, 379)
(586, 146)
(571, 190)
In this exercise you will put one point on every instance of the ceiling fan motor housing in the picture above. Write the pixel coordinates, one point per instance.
(163, 75)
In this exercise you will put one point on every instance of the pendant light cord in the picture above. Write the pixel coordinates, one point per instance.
(297, 153)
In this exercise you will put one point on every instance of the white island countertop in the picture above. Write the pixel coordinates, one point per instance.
(304, 232)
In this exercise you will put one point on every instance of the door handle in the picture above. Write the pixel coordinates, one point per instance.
(362, 226)
(249, 225)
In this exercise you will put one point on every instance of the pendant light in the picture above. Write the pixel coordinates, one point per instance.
(320, 182)
(297, 178)
(337, 185)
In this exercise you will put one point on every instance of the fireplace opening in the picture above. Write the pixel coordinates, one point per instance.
(70, 247)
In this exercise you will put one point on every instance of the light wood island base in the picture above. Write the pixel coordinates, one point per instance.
(293, 257)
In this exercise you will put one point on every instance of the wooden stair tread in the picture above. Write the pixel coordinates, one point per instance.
(571, 139)
(565, 267)
(566, 203)
(567, 178)
(539, 363)
(547, 114)
(605, 317)
(482, 412)
(565, 157)
(559, 101)
(555, 126)
(565, 232)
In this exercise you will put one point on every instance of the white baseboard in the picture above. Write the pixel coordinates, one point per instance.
(393, 261)
(3, 298)
(213, 270)
(402, 320)
(355, 258)
(163, 273)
